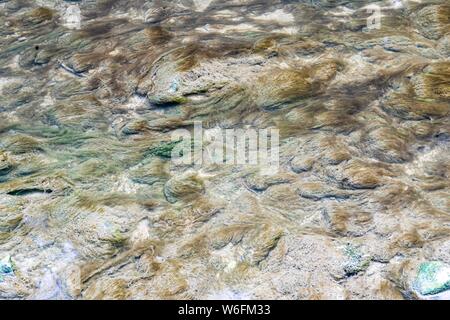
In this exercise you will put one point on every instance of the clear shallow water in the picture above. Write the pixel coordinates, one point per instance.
(361, 198)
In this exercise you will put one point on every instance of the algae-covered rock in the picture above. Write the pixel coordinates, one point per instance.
(43, 56)
(408, 108)
(36, 16)
(347, 220)
(151, 173)
(301, 164)
(433, 82)
(433, 21)
(318, 191)
(186, 186)
(282, 86)
(387, 144)
(260, 182)
(110, 289)
(9, 222)
(358, 175)
(432, 278)
(164, 150)
(262, 244)
(5, 164)
(135, 126)
(87, 115)
(20, 144)
(357, 261)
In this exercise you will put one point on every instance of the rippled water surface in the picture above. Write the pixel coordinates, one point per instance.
(92, 207)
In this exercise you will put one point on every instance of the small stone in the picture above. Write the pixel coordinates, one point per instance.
(260, 182)
(301, 164)
(38, 16)
(135, 126)
(43, 56)
(317, 191)
(433, 278)
(9, 220)
(21, 144)
(6, 267)
(387, 145)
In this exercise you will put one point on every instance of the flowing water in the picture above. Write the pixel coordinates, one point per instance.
(92, 207)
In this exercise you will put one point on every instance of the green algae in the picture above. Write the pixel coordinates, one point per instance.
(164, 150)
(105, 158)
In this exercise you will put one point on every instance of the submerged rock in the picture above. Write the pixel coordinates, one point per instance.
(37, 16)
(432, 278)
(260, 182)
(357, 261)
(5, 164)
(88, 108)
(9, 223)
(187, 186)
(433, 82)
(318, 191)
(20, 144)
(151, 173)
(282, 86)
(6, 267)
(433, 20)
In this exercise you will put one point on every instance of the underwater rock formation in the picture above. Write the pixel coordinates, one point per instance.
(92, 207)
